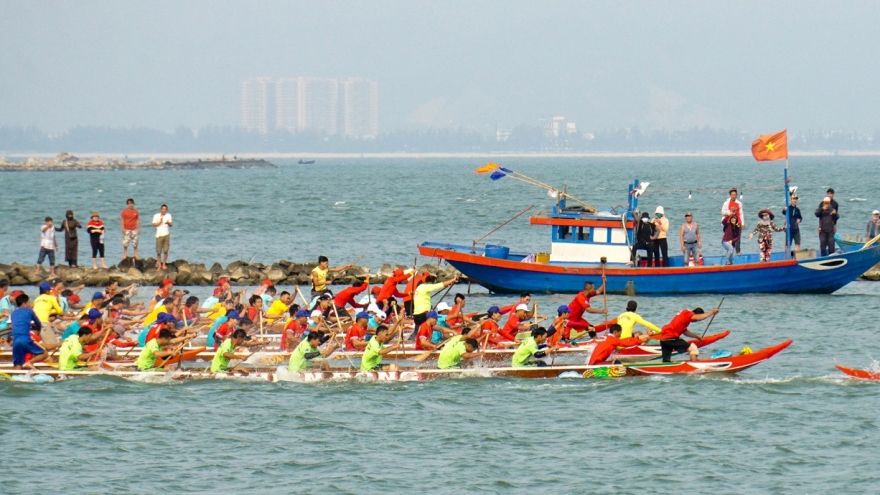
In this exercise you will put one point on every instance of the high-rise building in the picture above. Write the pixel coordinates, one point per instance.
(255, 104)
(317, 104)
(360, 108)
(285, 104)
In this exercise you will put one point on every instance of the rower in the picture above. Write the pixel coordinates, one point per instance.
(410, 290)
(164, 320)
(227, 306)
(22, 343)
(629, 319)
(295, 329)
(347, 296)
(227, 328)
(524, 298)
(372, 358)
(320, 272)
(74, 327)
(456, 315)
(422, 297)
(389, 291)
(490, 325)
(155, 349)
(579, 305)
(529, 350)
(560, 324)
(457, 349)
(302, 357)
(356, 336)
(226, 352)
(162, 293)
(71, 352)
(425, 336)
(670, 337)
(517, 322)
(46, 305)
(604, 348)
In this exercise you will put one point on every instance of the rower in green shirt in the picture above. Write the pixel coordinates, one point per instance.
(307, 350)
(456, 349)
(530, 348)
(71, 352)
(372, 358)
(226, 352)
(155, 349)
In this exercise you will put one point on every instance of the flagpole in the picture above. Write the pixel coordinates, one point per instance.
(787, 215)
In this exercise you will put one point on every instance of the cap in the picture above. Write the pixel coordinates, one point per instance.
(97, 295)
(218, 291)
(659, 210)
(875, 212)
(168, 281)
(522, 307)
(73, 299)
(372, 308)
(95, 214)
(362, 314)
(162, 317)
(233, 315)
(381, 314)
(688, 214)
(442, 306)
(826, 200)
(95, 313)
(432, 314)
(45, 286)
(301, 313)
(494, 310)
(222, 280)
(563, 309)
(267, 282)
(16, 293)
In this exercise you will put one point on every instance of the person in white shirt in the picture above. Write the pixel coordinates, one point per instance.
(48, 246)
(725, 212)
(162, 222)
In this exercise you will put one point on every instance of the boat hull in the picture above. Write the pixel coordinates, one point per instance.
(822, 275)
(860, 374)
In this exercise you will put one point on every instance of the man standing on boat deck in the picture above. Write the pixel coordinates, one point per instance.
(579, 305)
(670, 337)
(661, 247)
(130, 221)
(644, 235)
(793, 218)
(319, 275)
(830, 194)
(162, 222)
(734, 205)
(691, 240)
(827, 216)
(422, 297)
(629, 319)
(873, 228)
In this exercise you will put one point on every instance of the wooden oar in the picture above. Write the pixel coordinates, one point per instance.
(425, 355)
(604, 260)
(100, 347)
(711, 319)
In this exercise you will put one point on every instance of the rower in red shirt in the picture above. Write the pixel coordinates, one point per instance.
(518, 322)
(560, 324)
(292, 334)
(389, 289)
(670, 335)
(426, 331)
(456, 315)
(524, 298)
(581, 304)
(346, 296)
(225, 329)
(355, 337)
(604, 348)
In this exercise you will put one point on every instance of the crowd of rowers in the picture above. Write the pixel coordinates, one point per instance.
(372, 326)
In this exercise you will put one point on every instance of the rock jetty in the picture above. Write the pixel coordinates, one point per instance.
(68, 162)
(182, 272)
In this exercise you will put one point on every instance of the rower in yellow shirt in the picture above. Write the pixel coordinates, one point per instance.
(46, 305)
(629, 319)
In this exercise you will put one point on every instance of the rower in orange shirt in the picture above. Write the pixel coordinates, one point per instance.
(524, 298)
(518, 322)
(456, 316)
(389, 289)
(579, 305)
(346, 296)
(604, 348)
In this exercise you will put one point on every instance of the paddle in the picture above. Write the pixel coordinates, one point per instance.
(711, 319)
(604, 260)
(425, 355)
(483, 350)
(101, 347)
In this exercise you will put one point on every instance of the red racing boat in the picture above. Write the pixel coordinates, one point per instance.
(860, 374)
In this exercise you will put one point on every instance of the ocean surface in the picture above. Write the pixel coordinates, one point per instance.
(791, 425)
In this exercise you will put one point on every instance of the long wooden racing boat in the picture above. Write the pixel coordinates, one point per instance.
(860, 374)
(732, 364)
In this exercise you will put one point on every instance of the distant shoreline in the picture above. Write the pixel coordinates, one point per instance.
(318, 156)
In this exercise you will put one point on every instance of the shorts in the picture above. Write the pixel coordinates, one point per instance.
(44, 253)
(21, 349)
(668, 346)
(795, 238)
(163, 244)
(130, 237)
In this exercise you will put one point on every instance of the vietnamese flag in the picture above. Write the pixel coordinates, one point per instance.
(771, 147)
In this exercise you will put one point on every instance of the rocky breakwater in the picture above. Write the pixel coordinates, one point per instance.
(182, 272)
(68, 162)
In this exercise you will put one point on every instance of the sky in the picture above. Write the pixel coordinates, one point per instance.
(749, 65)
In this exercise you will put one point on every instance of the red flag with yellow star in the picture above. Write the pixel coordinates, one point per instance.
(771, 147)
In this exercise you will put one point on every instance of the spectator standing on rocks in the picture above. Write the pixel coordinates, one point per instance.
(162, 222)
(71, 240)
(96, 229)
(48, 246)
(131, 228)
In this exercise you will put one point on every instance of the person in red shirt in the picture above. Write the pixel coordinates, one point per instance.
(516, 323)
(426, 332)
(581, 304)
(292, 334)
(389, 290)
(347, 295)
(560, 323)
(130, 220)
(356, 336)
(456, 315)
(670, 335)
(604, 348)
(410, 289)
(225, 329)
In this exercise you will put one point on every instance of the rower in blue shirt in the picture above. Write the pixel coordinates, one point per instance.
(22, 343)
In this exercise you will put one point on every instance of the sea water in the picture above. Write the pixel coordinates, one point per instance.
(791, 425)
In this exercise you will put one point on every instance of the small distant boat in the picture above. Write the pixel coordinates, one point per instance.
(847, 244)
(857, 200)
(306, 162)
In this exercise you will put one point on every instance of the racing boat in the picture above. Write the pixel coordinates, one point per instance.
(861, 374)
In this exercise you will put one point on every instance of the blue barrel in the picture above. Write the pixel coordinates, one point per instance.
(500, 252)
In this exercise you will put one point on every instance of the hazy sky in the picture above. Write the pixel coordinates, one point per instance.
(750, 65)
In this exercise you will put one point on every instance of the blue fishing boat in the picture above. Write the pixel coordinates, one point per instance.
(846, 244)
(586, 242)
